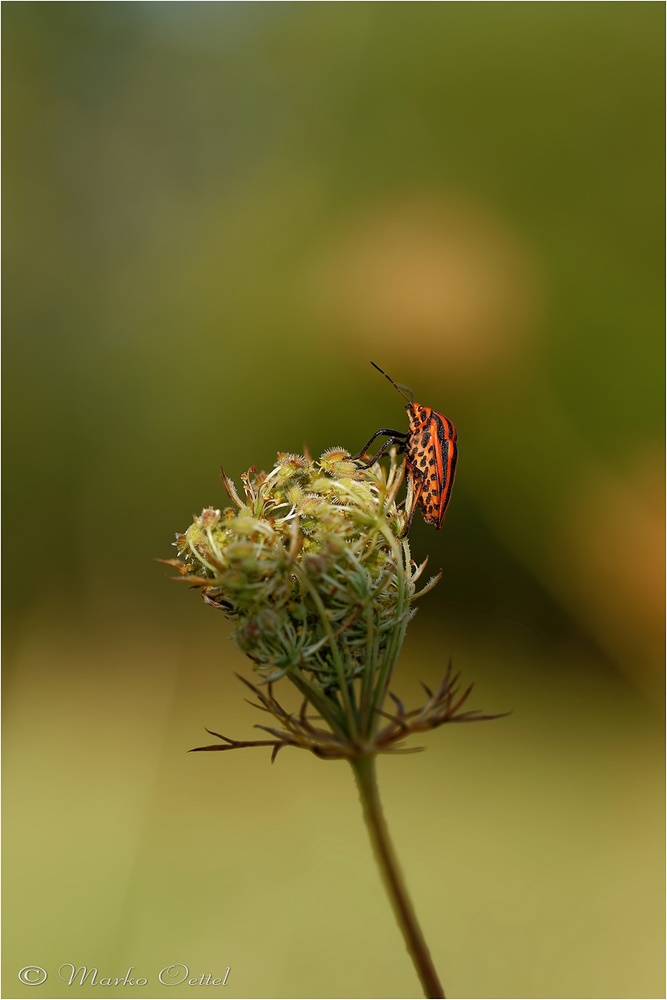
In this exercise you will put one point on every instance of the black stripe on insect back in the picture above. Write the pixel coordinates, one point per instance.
(450, 484)
(446, 431)
(447, 441)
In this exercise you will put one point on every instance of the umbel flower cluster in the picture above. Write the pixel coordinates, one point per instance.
(311, 567)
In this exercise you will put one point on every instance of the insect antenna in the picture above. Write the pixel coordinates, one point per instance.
(399, 388)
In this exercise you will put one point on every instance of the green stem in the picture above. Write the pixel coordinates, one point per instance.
(401, 555)
(349, 710)
(364, 772)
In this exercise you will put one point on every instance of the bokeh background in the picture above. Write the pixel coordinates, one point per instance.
(215, 214)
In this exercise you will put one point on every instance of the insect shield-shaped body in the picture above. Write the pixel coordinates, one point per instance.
(431, 453)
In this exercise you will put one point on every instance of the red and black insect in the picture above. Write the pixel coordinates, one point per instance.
(431, 453)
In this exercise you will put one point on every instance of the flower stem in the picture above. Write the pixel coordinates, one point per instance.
(365, 774)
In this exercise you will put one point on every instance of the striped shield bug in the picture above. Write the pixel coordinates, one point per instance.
(431, 453)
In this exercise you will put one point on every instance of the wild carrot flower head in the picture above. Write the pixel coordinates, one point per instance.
(311, 568)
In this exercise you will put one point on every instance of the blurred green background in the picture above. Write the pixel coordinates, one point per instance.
(214, 215)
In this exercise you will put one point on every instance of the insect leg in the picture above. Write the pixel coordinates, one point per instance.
(396, 436)
(388, 443)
